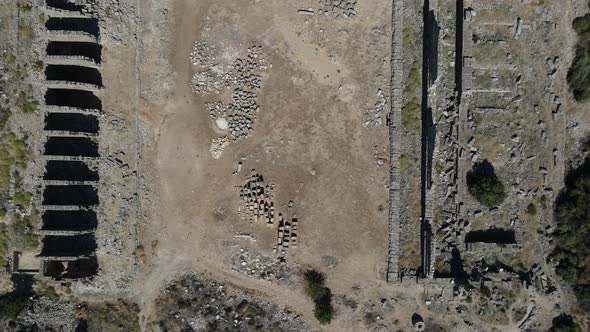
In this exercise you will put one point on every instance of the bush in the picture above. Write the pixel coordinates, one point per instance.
(578, 75)
(11, 305)
(564, 323)
(572, 218)
(484, 184)
(321, 296)
(531, 209)
(410, 115)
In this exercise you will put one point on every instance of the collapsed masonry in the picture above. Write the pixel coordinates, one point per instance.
(70, 195)
(257, 205)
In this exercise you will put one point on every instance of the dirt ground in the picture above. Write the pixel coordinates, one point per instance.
(308, 141)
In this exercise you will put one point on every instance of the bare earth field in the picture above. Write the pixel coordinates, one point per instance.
(242, 143)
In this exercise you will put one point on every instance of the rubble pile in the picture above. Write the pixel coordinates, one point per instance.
(195, 303)
(338, 8)
(273, 269)
(243, 76)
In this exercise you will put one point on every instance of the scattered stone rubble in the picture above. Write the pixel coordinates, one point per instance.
(244, 76)
(194, 303)
(218, 144)
(337, 8)
(375, 115)
(273, 269)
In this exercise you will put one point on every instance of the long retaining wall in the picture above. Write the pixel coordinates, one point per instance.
(394, 138)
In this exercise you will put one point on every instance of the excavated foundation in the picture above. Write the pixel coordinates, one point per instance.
(69, 171)
(64, 4)
(71, 146)
(88, 50)
(88, 25)
(68, 246)
(73, 74)
(72, 98)
(72, 122)
(495, 235)
(80, 268)
(77, 220)
(78, 195)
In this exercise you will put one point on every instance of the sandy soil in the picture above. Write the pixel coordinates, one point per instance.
(308, 140)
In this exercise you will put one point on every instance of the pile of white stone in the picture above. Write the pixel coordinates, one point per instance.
(244, 75)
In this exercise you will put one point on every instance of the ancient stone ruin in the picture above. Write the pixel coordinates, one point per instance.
(70, 194)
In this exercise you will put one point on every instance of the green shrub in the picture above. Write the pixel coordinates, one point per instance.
(403, 163)
(10, 58)
(321, 296)
(485, 291)
(11, 305)
(414, 77)
(572, 218)
(531, 209)
(484, 185)
(26, 31)
(26, 104)
(564, 323)
(22, 199)
(578, 76)
(44, 290)
(407, 36)
(410, 115)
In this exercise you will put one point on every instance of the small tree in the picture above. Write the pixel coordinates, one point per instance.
(321, 296)
(564, 323)
(484, 184)
(11, 305)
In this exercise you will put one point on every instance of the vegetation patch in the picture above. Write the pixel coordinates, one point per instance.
(410, 115)
(26, 31)
(11, 305)
(564, 323)
(407, 36)
(3, 245)
(110, 316)
(403, 163)
(44, 290)
(578, 75)
(26, 104)
(484, 184)
(572, 217)
(321, 296)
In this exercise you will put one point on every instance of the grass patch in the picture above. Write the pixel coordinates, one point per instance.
(44, 290)
(41, 19)
(407, 36)
(26, 104)
(10, 58)
(4, 237)
(110, 316)
(25, 8)
(23, 199)
(414, 77)
(410, 115)
(321, 296)
(403, 163)
(26, 31)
